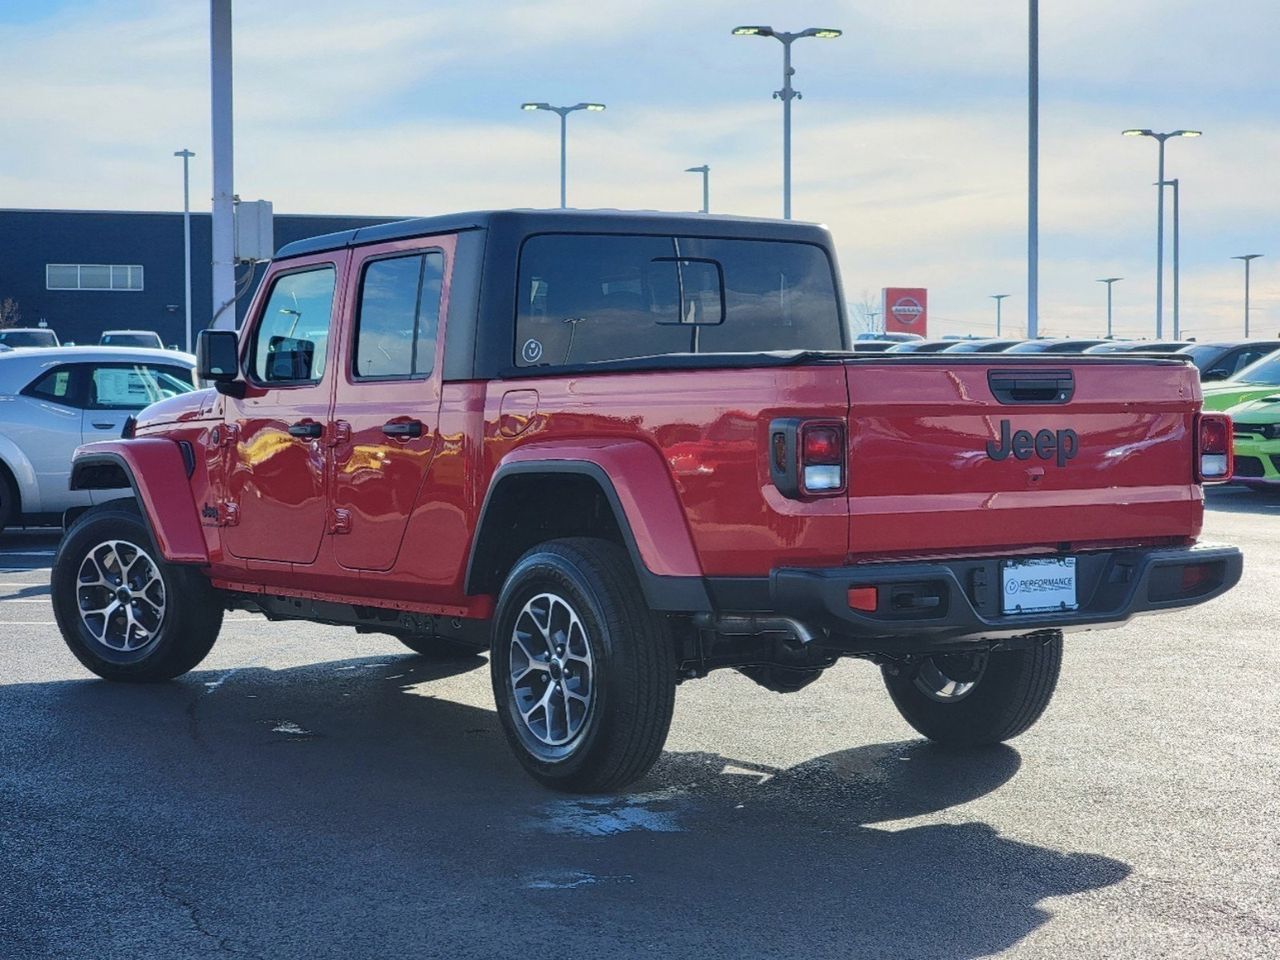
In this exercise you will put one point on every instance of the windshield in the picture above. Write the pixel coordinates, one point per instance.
(1266, 372)
(130, 340)
(1202, 355)
(28, 338)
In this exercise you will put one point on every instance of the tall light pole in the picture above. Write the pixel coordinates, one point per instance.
(186, 156)
(1109, 281)
(998, 297)
(787, 93)
(1033, 170)
(1160, 138)
(1247, 258)
(705, 170)
(223, 227)
(1177, 284)
(563, 112)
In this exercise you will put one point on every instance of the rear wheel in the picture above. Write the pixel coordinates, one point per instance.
(124, 612)
(979, 698)
(583, 672)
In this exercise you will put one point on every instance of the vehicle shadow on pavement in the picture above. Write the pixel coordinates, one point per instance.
(350, 809)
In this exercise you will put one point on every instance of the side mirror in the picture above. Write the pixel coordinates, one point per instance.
(218, 358)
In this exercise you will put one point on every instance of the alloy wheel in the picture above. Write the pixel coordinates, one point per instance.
(121, 596)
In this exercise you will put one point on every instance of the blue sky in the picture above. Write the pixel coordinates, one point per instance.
(909, 142)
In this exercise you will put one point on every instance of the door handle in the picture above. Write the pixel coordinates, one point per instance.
(307, 430)
(402, 429)
(104, 426)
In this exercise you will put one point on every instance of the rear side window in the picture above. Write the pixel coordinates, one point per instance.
(590, 298)
(292, 338)
(399, 317)
(55, 386)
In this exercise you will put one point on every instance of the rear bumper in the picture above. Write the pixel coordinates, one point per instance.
(950, 600)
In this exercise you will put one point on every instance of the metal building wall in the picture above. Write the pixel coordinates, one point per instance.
(30, 239)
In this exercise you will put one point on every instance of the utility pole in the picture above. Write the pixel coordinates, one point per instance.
(1109, 281)
(1247, 258)
(705, 170)
(223, 153)
(186, 156)
(1033, 171)
(998, 297)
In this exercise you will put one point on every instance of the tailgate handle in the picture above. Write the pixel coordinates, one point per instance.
(1032, 386)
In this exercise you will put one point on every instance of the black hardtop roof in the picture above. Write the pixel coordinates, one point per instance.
(567, 221)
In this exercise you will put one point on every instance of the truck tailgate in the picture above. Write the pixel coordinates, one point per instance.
(1001, 454)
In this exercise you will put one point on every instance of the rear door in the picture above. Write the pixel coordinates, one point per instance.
(990, 456)
(276, 447)
(46, 428)
(387, 401)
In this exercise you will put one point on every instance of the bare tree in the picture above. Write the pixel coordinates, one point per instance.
(10, 315)
(865, 313)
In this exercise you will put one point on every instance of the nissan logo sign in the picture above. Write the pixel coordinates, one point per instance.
(907, 310)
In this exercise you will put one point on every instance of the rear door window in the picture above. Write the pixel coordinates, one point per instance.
(399, 316)
(590, 298)
(132, 386)
(292, 338)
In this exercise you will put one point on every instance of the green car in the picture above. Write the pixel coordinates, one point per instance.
(1256, 424)
(1255, 381)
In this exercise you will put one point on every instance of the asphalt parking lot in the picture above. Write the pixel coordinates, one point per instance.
(313, 793)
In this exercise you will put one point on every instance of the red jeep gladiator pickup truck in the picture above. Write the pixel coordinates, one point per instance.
(622, 450)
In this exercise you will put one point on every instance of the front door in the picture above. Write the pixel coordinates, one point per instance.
(387, 401)
(276, 438)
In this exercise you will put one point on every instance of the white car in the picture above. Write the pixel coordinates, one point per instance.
(53, 399)
(131, 338)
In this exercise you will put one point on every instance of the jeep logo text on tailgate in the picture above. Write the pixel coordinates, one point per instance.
(1045, 444)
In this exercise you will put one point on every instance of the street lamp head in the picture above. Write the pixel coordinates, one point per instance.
(753, 31)
(593, 107)
(822, 33)
(1247, 257)
(1135, 132)
(1110, 279)
(535, 106)
(184, 152)
(1187, 133)
(705, 168)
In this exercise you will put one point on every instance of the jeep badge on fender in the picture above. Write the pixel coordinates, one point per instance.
(1045, 444)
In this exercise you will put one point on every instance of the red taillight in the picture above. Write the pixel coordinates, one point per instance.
(822, 458)
(1213, 447)
(822, 445)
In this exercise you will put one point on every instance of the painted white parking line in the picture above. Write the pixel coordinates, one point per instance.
(27, 553)
(24, 599)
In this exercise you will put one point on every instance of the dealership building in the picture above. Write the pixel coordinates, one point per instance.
(85, 271)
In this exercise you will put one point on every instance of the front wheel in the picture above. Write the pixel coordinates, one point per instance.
(972, 699)
(124, 612)
(583, 672)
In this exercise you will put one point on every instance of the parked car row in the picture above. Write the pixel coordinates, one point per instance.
(1215, 361)
(13, 337)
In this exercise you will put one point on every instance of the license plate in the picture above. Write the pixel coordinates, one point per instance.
(1039, 586)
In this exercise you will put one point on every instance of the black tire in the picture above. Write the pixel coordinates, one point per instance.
(169, 644)
(1012, 690)
(8, 501)
(438, 648)
(630, 679)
